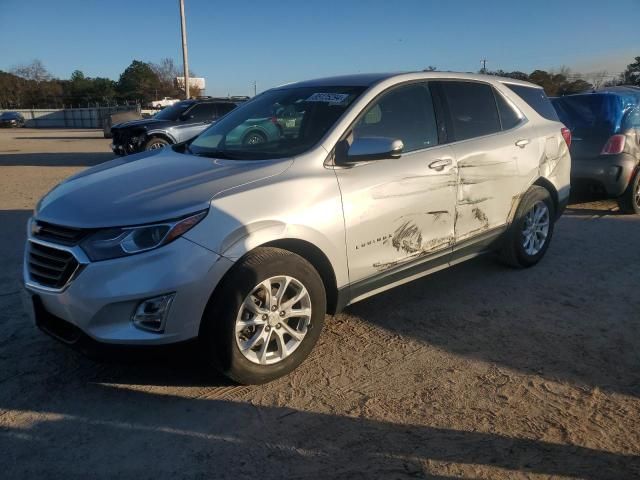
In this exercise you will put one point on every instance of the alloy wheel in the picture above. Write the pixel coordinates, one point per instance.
(536, 228)
(273, 320)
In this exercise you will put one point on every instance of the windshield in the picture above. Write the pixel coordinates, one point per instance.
(278, 123)
(173, 112)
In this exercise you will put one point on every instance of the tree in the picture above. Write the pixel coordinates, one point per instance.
(631, 76)
(139, 82)
(35, 71)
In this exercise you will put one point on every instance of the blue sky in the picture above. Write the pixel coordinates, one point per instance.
(233, 43)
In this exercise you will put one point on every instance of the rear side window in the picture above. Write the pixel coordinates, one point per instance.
(472, 108)
(536, 99)
(404, 113)
(509, 117)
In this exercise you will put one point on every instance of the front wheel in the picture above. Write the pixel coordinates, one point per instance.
(629, 202)
(530, 233)
(265, 318)
(155, 143)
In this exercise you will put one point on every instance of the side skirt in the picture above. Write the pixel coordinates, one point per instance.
(481, 244)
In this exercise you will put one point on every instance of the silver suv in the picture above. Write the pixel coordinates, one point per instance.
(376, 180)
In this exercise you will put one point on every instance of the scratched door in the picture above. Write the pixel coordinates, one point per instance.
(399, 211)
(487, 157)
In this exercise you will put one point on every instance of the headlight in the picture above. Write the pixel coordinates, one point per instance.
(120, 242)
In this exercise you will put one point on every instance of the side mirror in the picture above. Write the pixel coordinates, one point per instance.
(365, 149)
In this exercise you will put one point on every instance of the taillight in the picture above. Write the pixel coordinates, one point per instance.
(614, 145)
(566, 134)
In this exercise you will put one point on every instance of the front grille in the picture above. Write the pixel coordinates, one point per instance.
(50, 267)
(58, 234)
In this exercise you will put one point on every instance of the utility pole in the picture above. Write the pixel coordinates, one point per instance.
(185, 60)
(484, 65)
(255, 88)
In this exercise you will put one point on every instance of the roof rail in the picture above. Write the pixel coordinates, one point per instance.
(230, 98)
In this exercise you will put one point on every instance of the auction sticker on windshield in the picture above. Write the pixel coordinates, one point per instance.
(328, 97)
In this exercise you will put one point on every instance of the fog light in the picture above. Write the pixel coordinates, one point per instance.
(151, 313)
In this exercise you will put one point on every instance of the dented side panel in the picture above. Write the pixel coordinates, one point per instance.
(489, 177)
(397, 211)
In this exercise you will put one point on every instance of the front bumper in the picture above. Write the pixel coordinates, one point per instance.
(611, 173)
(101, 300)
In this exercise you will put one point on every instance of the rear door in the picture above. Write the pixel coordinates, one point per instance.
(487, 153)
(398, 212)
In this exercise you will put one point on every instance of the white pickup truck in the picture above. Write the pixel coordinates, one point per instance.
(165, 102)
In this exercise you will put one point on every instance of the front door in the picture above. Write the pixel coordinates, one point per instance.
(399, 211)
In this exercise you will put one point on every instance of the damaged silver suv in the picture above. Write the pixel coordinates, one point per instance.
(374, 181)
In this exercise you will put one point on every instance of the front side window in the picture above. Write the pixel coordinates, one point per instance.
(202, 112)
(472, 109)
(277, 123)
(173, 112)
(405, 113)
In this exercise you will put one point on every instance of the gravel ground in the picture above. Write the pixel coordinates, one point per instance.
(479, 371)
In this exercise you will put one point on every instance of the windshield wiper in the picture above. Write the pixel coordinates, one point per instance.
(222, 154)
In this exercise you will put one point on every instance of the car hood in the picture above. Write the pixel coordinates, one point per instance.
(144, 122)
(148, 187)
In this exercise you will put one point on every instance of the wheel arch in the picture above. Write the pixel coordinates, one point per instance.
(318, 260)
(160, 134)
(550, 187)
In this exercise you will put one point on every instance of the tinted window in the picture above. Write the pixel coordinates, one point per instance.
(405, 113)
(224, 108)
(173, 112)
(472, 108)
(203, 112)
(537, 99)
(509, 117)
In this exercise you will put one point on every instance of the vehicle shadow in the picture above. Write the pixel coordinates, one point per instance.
(567, 319)
(71, 159)
(136, 432)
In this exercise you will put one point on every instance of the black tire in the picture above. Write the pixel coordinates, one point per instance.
(156, 142)
(513, 252)
(254, 137)
(218, 330)
(629, 202)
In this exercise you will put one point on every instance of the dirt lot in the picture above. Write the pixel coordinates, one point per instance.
(479, 371)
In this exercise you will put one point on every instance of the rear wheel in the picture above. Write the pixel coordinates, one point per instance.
(629, 202)
(155, 143)
(530, 233)
(254, 138)
(265, 318)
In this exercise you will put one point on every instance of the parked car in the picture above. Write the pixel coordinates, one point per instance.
(606, 142)
(177, 123)
(11, 120)
(246, 246)
(165, 102)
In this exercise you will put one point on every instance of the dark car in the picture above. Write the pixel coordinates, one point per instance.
(175, 124)
(11, 120)
(605, 151)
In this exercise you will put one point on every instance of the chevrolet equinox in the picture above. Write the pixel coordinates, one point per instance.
(374, 181)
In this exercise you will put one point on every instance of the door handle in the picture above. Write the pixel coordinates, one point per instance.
(522, 143)
(439, 165)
